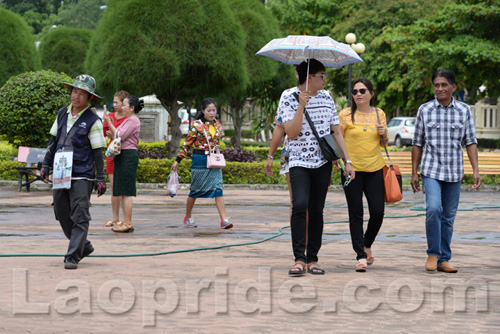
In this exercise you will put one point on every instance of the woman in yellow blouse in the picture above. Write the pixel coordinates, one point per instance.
(363, 134)
(205, 182)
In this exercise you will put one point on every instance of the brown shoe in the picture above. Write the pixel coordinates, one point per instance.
(447, 268)
(432, 263)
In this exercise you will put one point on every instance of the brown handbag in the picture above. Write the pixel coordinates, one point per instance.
(393, 181)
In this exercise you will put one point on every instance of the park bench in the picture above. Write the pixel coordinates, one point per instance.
(33, 158)
(489, 162)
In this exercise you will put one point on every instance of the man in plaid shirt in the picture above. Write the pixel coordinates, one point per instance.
(444, 125)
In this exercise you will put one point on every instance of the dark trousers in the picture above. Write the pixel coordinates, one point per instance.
(372, 185)
(309, 189)
(71, 207)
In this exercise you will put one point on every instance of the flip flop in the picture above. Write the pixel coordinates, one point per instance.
(109, 224)
(122, 228)
(298, 269)
(370, 259)
(361, 265)
(314, 269)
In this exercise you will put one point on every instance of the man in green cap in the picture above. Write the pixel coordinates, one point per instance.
(77, 132)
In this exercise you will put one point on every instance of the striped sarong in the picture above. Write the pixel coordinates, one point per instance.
(205, 182)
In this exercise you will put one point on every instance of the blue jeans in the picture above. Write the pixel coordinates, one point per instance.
(441, 199)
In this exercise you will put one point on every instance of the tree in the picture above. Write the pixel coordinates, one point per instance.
(306, 17)
(29, 104)
(36, 13)
(175, 49)
(259, 27)
(65, 50)
(368, 20)
(81, 14)
(17, 51)
(463, 37)
(268, 98)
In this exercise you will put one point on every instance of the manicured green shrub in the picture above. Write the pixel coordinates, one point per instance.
(488, 143)
(8, 170)
(157, 170)
(159, 149)
(65, 49)
(245, 144)
(229, 133)
(29, 103)
(17, 51)
(7, 151)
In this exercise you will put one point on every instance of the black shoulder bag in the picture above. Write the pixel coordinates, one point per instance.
(327, 144)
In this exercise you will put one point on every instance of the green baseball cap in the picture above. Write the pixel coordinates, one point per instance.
(85, 82)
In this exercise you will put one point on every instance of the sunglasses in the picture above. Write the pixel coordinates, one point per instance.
(362, 91)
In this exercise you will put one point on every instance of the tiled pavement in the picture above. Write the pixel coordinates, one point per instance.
(244, 288)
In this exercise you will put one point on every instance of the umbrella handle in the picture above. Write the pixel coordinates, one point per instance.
(307, 77)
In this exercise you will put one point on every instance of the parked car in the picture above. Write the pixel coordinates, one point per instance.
(183, 114)
(401, 130)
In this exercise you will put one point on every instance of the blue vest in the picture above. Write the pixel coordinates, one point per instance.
(77, 139)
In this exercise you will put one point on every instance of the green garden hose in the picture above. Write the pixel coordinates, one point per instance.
(280, 233)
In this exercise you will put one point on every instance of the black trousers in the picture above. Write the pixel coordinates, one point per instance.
(309, 189)
(372, 185)
(71, 207)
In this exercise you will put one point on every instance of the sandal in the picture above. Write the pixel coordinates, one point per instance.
(370, 259)
(121, 227)
(109, 224)
(361, 265)
(298, 269)
(315, 269)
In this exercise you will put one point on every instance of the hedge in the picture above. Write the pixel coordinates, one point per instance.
(7, 151)
(488, 143)
(8, 170)
(156, 171)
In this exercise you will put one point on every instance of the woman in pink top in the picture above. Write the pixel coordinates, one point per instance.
(117, 119)
(126, 162)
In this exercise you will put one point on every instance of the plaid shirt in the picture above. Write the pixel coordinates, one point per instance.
(442, 132)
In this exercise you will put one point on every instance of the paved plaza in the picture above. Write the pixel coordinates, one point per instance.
(165, 278)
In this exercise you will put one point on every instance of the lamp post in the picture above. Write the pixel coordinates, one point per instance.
(359, 48)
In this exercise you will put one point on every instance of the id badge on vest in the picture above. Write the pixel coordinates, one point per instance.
(62, 169)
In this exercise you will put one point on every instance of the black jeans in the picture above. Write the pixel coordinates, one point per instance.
(372, 185)
(71, 207)
(309, 189)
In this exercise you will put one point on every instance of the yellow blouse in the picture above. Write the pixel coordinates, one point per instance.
(363, 143)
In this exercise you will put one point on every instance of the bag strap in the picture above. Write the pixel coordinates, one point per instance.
(206, 137)
(385, 146)
(313, 128)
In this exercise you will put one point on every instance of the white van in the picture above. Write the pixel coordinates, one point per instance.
(183, 114)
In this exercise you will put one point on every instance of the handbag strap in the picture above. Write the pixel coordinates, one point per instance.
(311, 124)
(206, 137)
(385, 146)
